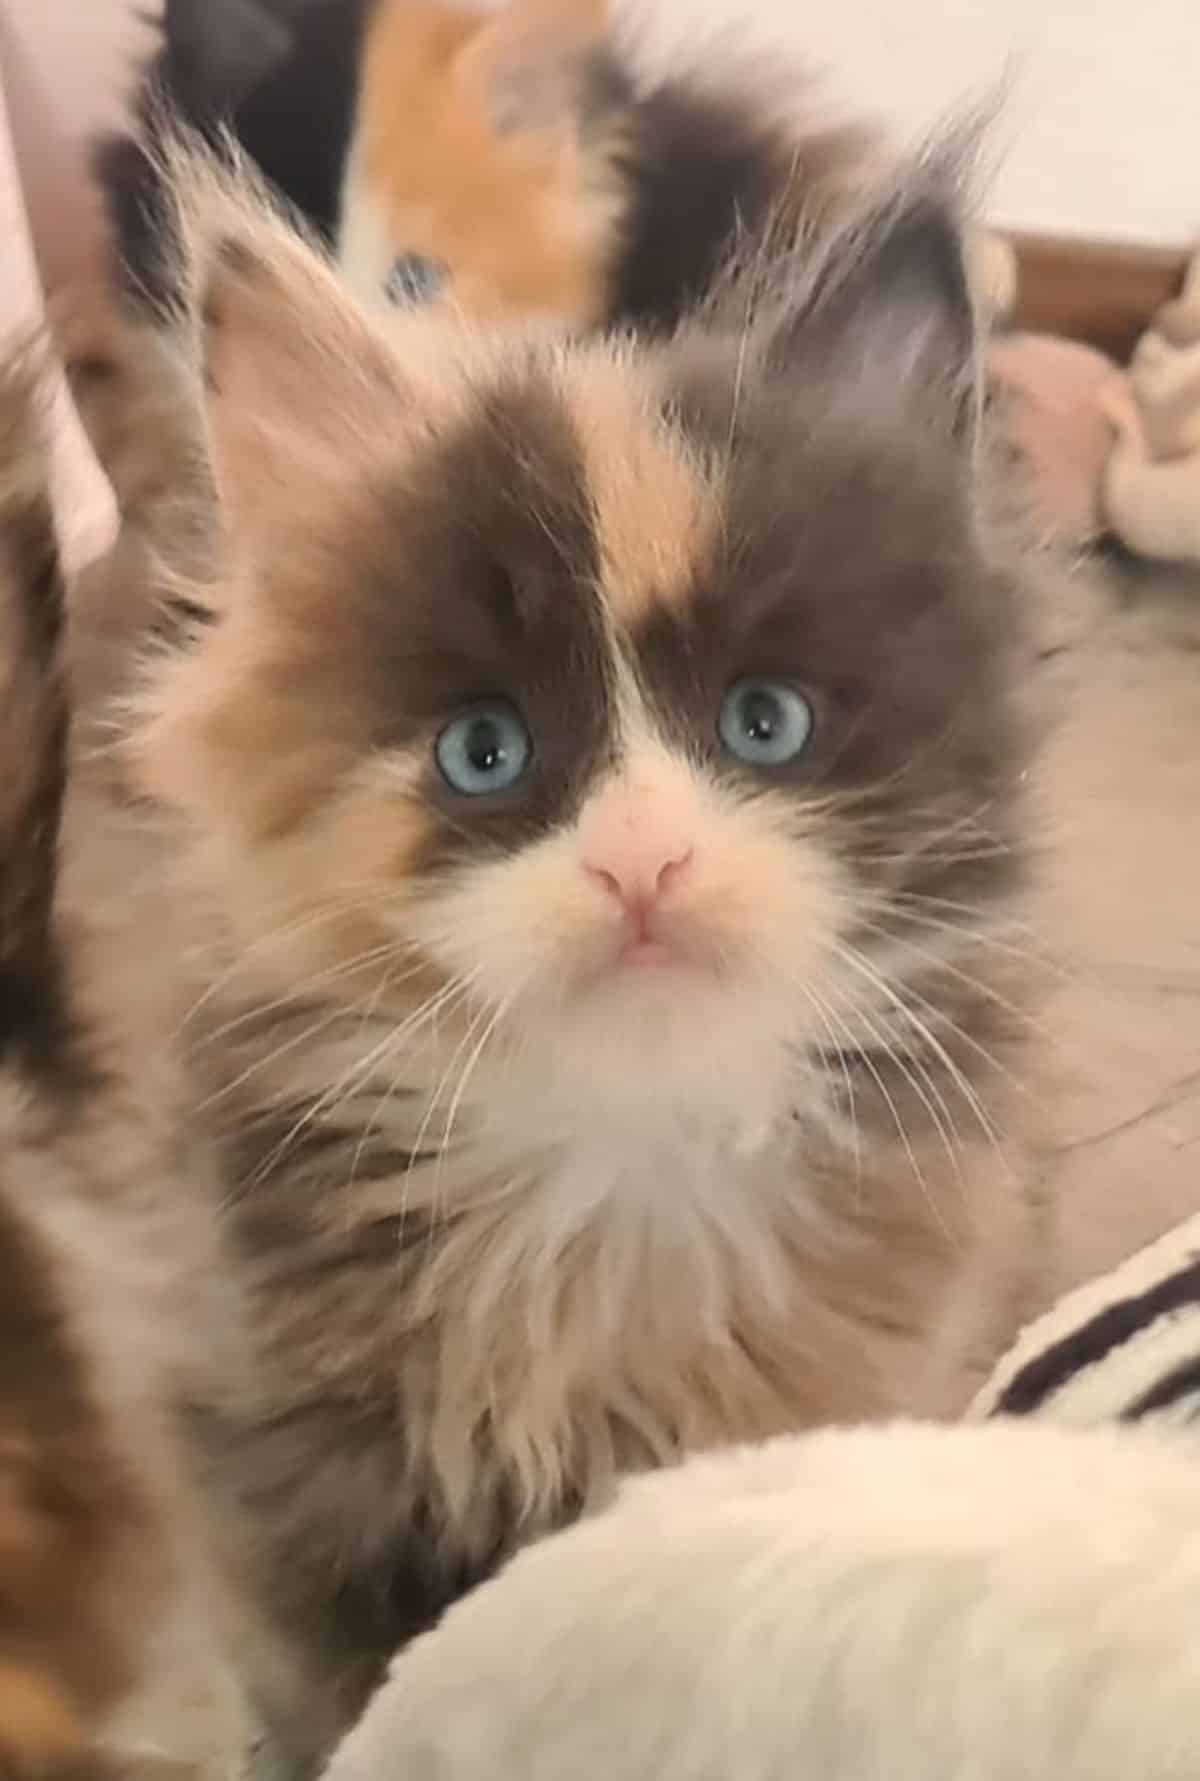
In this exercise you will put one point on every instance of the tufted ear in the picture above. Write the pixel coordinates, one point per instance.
(292, 371)
(886, 303)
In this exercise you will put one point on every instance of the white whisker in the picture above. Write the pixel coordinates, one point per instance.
(449, 997)
(923, 1031)
(868, 1062)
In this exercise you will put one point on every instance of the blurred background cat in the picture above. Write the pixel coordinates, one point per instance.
(526, 159)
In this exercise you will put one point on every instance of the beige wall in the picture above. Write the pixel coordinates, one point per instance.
(1104, 121)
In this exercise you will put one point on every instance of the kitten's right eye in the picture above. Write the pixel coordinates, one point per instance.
(765, 724)
(413, 280)
(486, 750)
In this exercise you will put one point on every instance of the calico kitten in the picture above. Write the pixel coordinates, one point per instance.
(546, 157)
(487, 158)
(531, 159)
(520, 160)
(525, 158)
(596, 793)
(83, 1559)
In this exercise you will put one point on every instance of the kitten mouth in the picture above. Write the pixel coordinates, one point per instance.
(644, 953)
(644, 944)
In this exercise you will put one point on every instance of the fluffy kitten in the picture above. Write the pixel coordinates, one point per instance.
(544, 157)
(596, 794)
(522, 159)
(487, 156)
(897, 1604)
(83, 1558)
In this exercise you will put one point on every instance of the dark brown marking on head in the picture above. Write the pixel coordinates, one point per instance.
(482, 584)
(851, 563)
(849, 569)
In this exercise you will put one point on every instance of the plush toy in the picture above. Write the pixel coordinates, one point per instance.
(1055, 401)
(1151, 486)
(1006, 1600)
(1107, 451)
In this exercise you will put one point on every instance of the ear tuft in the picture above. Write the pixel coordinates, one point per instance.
(292, 369)
(884, 297)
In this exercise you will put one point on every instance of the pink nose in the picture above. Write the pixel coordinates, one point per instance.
(639, 878)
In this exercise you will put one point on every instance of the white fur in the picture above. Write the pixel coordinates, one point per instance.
(1011, 1602)
(710, 1044)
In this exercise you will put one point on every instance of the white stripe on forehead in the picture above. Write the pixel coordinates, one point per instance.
(633, 720)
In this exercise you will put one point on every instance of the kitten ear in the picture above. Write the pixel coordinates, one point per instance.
(544, 70)
(292, 370)
(886, 303)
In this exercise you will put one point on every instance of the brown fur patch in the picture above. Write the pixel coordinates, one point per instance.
(82, 1560)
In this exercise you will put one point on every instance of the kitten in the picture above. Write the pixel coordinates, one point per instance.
(519, 160)
(897, 1604)
(540, 158)
(83, 1553)
(488, 156)
(528, 159)
(596, 794)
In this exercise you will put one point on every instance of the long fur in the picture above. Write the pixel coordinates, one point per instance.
(541, 157)
(528, 153)
(899, 1604)
(80, 1557)
(509, 1221)
(103, 1230)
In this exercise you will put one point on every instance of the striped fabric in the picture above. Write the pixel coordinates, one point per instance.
(1121, 1349)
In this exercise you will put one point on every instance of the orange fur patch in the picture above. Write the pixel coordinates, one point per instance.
(657, 507)
(525, 219)
(40, 1737)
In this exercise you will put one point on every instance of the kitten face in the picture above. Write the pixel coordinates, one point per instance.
(659, 905)
(597, 776)
(632, 722)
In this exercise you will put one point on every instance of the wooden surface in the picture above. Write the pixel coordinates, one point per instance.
(1105, 293)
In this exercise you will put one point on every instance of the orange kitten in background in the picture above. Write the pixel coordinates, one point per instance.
(531, 159)
(519, 159)
(516, 197)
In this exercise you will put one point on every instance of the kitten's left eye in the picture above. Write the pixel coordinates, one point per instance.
(765, 724)
(413, 280)
(486, 750)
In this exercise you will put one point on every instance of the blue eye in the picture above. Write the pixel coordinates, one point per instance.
(413, 280)
(486, 750)
(765, 724)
